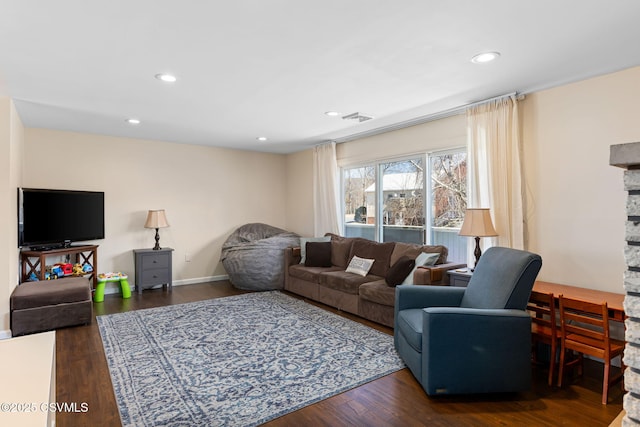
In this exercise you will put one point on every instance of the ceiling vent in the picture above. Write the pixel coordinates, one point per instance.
(357, 116)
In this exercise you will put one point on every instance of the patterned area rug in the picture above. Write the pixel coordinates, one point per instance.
(236, 361)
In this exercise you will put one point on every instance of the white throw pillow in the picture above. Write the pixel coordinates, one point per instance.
(423, 259)
(303, 245)
(359, 265)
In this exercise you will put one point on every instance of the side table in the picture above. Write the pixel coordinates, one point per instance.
(459, 277)
(153, 267)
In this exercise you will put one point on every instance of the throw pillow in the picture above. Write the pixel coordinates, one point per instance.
(381, 252)
(400, 270)
(423, 259)
(303, 245)
(359, 266)
(318, 254)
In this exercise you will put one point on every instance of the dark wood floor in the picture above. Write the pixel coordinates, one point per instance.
(395, 400)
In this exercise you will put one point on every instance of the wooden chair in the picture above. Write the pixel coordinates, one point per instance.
(544, 328)
(585, 329)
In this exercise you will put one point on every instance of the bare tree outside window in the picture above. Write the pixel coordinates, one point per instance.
(449, 189)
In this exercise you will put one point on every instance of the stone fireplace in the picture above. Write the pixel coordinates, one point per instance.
(627, 156)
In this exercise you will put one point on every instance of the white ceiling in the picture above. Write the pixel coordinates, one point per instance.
(250, 68)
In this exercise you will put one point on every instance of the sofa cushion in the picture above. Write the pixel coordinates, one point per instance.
(318, 254)
(399, 271)
(340, 250)
(310, 274)
(380, 252)
(345, 282)
(412, 251)
(359, 266)
(303, 245)
(378, 292)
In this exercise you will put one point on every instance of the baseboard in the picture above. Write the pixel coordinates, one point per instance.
(114, 287)
(200, 280)
(5, 335)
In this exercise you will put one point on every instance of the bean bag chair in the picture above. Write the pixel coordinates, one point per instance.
(253, 256)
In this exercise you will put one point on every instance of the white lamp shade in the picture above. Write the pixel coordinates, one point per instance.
(477, 223)
(156, 219)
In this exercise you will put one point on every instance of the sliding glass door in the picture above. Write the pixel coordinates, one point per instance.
(420, 199)
(402, 201)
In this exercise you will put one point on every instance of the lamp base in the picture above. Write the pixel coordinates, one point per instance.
(477, 252)
(157, 246)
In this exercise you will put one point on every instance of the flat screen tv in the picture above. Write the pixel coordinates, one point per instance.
(56, 218)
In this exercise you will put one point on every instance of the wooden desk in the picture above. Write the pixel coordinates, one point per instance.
(615, 302)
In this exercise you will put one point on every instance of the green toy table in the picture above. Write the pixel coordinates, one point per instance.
(98, 296)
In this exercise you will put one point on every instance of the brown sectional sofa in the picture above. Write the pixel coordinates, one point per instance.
(369, 296)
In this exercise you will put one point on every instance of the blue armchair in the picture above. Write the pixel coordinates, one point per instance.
(475, 339)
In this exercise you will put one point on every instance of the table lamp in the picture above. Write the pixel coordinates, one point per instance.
(156, 219)
(477, 223)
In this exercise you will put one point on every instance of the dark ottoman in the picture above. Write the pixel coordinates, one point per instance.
(46, 305)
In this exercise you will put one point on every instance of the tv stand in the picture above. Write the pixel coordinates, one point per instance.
(46, 248)
(34, 261)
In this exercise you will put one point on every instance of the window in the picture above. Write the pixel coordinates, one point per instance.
(448, 196)
(385, 201)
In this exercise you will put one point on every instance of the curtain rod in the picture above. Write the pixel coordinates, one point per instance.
(424, 119)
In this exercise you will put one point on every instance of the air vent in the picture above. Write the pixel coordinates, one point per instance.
(357, 116)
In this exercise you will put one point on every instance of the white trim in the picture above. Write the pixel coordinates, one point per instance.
(195, 280)
(114, 287)
(5, 335)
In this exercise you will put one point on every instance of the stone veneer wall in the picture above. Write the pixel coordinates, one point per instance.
(628, 156)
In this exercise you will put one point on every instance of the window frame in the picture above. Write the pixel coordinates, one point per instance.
(427, 188)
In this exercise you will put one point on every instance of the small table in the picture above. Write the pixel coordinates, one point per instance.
(153, 267)
(615, 301)
(459, 277)
(103, 278)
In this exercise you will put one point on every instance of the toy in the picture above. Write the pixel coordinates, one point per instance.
(65, 268)
(50, 272)
(77, 270)
(57, 271)
(103, 278)
(33, 277)
(87, 268)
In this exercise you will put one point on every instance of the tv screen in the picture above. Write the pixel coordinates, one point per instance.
(56, 218)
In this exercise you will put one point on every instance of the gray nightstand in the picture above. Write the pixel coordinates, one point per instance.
(459, 277)
(153, 268)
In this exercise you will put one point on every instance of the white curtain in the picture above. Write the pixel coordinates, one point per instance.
(325, 190)
(495, 179)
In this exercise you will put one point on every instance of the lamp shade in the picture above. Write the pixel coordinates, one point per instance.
(156, 219)
(477, 223)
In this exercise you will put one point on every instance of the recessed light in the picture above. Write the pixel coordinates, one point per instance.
(261, 138)
(332, 113)
(167, 78)
(485, 57)
(133, 121)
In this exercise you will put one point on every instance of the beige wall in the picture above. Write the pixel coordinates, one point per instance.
(207, 192)
(576, 202)
(299, 193)
(11, 154)
(427, 137)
